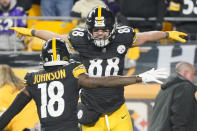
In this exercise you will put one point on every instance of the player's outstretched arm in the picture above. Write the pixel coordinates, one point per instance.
(18, 104)
(109, 81)
(116, 81)
(149, 36)
(42, 34)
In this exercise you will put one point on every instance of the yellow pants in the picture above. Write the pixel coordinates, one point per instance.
(117, 121)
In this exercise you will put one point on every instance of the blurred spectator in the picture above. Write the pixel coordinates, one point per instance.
(82, 7)
(10, 86)
(184, 9)
(175, 106)
(25, 4)
(114, 6)
(7, 37)
(36, 2)
(144, 9)
(56, 7)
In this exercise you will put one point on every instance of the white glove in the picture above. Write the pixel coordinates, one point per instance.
(153, 75)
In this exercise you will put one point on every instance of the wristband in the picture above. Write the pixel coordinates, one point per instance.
(138, 79)
(33, 32)
(167, 34)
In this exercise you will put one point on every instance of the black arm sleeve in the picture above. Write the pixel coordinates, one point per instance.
(17, 105)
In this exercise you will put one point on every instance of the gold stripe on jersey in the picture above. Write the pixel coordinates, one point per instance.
(99, 14)
(174, 6)
(54, 49)
(71, 47)
(79, 70)
(60, 74)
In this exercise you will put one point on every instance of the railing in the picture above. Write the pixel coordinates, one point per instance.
(171, 19)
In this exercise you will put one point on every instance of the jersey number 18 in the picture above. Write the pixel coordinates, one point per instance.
(47, 105)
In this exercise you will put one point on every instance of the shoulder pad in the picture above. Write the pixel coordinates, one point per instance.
(28, 78)
(77, 32)
(79, 29)
(78, 37)
(125, 34)
(124, 29)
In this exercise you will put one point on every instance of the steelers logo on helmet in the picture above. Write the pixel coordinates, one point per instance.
(55, 52)
(100, 18)
(121, 49)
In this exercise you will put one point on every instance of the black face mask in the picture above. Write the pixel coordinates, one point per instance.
(5, 8)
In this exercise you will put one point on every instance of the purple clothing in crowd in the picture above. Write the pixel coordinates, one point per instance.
(6, 23)
(113, 5)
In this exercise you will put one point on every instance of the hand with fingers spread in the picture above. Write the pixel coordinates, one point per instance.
(154, 75)
(176, 35)
(21, 31)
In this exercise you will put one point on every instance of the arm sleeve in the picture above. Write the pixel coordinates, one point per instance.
(18, 104)
(181, 109)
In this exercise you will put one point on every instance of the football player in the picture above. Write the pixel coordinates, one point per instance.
(55, 88)
(102, 46)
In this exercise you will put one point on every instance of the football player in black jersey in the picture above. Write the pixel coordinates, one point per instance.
(102, 46)
(55, 88)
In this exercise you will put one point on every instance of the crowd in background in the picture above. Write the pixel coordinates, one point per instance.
(128, 12)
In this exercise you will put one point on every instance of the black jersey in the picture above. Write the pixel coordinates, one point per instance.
(103, 62)
(187, 8)
(56, 95)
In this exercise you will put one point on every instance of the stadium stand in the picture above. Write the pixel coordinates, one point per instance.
(34, 11)
(9, 8)
(60, 27)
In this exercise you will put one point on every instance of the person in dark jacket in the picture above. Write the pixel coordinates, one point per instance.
(175, 106)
